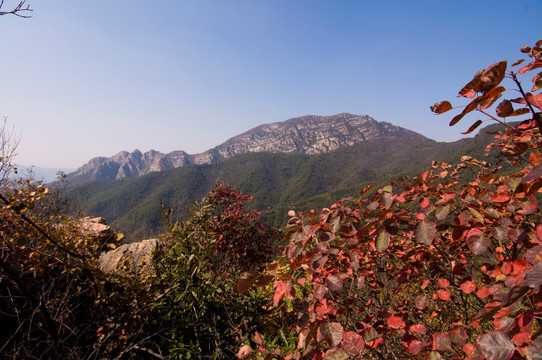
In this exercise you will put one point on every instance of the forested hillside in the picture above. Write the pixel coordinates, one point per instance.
(278, 182)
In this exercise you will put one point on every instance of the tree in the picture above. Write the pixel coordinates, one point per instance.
(8, 150)
(55, 301)
(439, 266)
(201, 314)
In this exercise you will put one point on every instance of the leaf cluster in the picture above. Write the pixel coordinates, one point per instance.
(445, 265)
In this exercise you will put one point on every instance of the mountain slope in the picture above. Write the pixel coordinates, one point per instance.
(303, 135)
(278, 181)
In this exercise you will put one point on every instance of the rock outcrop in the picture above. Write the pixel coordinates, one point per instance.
(97, 228)
(307, 134)
(135, 258)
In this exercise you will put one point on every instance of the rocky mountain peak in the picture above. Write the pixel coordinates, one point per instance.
(310, 134)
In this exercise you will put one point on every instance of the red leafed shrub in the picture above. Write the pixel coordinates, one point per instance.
(443, 265)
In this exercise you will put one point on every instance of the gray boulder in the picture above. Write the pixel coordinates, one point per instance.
(135, 258)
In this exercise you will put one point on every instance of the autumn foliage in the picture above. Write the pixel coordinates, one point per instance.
(445, 265)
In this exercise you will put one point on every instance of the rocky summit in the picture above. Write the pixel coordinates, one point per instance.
(309, 134)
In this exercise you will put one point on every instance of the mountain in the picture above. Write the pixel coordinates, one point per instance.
(45, 175)
(302, 135)
(278, 182)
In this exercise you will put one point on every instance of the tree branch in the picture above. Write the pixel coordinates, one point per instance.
(18, 10)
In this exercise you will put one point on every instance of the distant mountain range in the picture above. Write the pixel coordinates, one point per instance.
(302, 135)
(46, 175)
(302, 163)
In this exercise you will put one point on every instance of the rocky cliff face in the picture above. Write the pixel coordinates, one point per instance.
(307, 134)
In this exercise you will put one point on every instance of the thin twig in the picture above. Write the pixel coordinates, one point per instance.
(17, 10)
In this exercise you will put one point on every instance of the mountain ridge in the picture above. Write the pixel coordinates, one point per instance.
(278, 182)
(309, 134)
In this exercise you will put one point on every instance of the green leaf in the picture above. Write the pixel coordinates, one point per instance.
(512, 182)
(387, 188)
(382, 241)
(336, 354)
(334, 224)
(425, 232)
(476, 214)
(387, 199)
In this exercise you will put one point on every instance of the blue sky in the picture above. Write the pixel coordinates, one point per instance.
(82, 79)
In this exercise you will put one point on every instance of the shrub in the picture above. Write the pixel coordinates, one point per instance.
(199, 309)
(434, 266)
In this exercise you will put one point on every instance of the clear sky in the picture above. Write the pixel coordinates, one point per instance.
(82, 79)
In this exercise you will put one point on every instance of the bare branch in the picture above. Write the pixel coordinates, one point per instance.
(20, 10)
(9, 141)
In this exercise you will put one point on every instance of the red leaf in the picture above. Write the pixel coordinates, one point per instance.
(443, 283)
(421, 302)
(395, 322)
(468, 286)
(535, 100)
(320, 291)
(477, 242)
(441, 107)
(441, 341)
(535, 159)
(539, 233)
(521, 338)
(469, 349)
(415, 347)
(456, 119)
(505, 108)
(492, 76)
(281, 288)
(424, 202)
(530, 67)
(418, 329)
(534, 276)
(334, 283)
(467, 90)
(443, 295)
(246, 281)
(332, 332)
(353, 343)
(458, 336)
(483, 292)
(496, 345)
(473, 127)
(520, 111)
